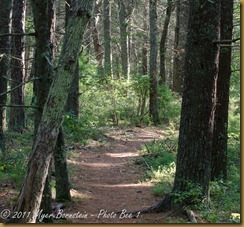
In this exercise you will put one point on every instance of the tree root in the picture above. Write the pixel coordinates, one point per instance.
(162, 206)
(167, 205)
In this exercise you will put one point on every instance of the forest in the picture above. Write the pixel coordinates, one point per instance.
(120, 111)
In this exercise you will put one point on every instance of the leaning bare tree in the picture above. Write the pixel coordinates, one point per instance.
(31, 193)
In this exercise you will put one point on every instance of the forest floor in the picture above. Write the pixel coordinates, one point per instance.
(107, 181)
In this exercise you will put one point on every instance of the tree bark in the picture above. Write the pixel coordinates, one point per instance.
(123, 24)
(61, 171)
(73, 98)
(4, 64)
(199, 99)
(179, 45)
(95, 36)
(48, 130)
(17, 115)
(153, 98)
(144, 42)
(44, 21)
(220, 138)
(107, 38)
(162, 49)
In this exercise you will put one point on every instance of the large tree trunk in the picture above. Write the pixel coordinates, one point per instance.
(73, 98)
(220, 139)
(162, 49)
(193, 168)
(44, 21)
(107, 38)
(179, 45)
(48, 130)
(17, 115)
(44, 53)
(4, 64)
(153, 101)
(123, 24)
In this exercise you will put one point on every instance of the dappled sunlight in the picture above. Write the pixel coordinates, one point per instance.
(75, 193)
(122, 155)
(139, 185)
(100, 165)
(94, 164)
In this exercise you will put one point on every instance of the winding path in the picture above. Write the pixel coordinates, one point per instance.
(106, 181)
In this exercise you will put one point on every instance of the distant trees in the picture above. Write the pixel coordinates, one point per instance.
(153, 100)
(162, 49)
(123, 23)
(4, 64)
(17, 114)
(107, 38)
(180, 45)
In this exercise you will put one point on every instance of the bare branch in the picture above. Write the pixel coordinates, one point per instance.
(18, 34)
(18, 106)
(226, 41)
(4, 93)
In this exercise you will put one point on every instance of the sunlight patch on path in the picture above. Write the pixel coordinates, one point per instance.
(123, 155)
(122, 185)
(100, 165)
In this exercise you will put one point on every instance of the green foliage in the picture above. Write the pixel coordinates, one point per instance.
(158, 158)
(159, 153)
(14, 163)
(225, 196)
(116, 101)
(79, 130)
(191, 195)
(169, 105)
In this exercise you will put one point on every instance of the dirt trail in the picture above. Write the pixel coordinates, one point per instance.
(107, 181)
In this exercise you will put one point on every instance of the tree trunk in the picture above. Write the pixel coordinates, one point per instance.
(144, 61)
(162, 49)
(4, 64)
(153, 101)
(95, 36)
(48, 130)
(199, 98)
(107, 38)
(61, 171)
(220, 138)
(179, 45)
(123, 24)
(44, 21)
(73, 98)
(17, 115)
